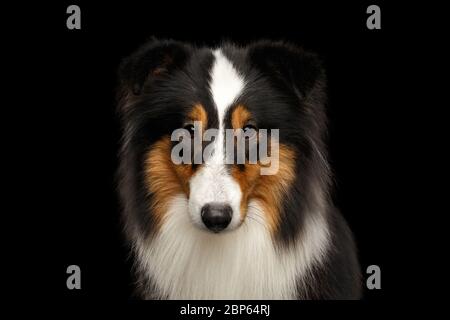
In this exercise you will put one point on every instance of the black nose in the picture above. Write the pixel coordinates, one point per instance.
(216, 216)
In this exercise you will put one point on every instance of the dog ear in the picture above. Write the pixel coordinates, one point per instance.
(156, 59)
(289, 66)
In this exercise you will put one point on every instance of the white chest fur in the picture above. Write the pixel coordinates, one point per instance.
(187, 263)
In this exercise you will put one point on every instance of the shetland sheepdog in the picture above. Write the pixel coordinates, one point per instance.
(216, 229)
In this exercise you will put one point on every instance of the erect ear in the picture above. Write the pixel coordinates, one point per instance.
(153, 60)
(289, 66)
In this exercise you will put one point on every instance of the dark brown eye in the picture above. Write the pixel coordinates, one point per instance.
(250, 130)
(190, 128)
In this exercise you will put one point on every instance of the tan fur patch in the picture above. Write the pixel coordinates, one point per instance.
(198, 113)
(240, 117)
(271, 189)
(268, 190)
(163, 178)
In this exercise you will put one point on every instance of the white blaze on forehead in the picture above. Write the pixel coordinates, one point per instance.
(226, 83)
(212, 182)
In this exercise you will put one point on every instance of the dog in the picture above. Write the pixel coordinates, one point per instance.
(215, 230)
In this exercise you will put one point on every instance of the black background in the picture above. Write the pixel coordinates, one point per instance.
(71, 151)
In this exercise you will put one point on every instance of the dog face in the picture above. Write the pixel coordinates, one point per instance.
(167, 85)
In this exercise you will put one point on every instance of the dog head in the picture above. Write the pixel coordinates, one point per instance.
(212, 97)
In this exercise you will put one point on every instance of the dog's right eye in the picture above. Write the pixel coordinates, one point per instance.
(190, 128)
(250, 130)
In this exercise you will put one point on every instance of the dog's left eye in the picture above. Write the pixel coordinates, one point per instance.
(250, 130)
(190, 128)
